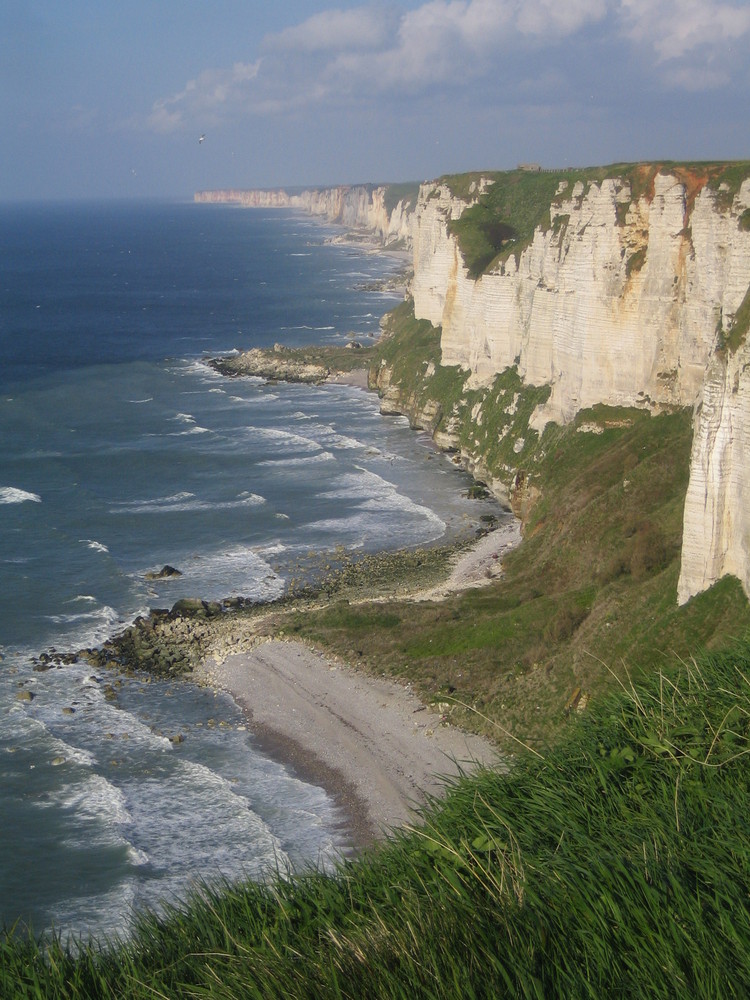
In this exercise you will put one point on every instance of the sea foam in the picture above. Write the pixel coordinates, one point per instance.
(11, 494)
(187, 502)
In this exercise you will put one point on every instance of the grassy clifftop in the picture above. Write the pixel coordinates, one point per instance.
(503, 219)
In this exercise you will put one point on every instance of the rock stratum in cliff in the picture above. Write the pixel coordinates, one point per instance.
(621, 286)
(623, 295)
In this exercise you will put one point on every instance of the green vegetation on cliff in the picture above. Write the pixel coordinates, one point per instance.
(612, 860)
(503, 219)
(737, 334)
(407, 193)
(411, 350)
(589, 596)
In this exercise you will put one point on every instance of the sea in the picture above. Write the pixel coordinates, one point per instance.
(122, 451)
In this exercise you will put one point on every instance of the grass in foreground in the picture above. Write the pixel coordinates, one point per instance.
(616, 864)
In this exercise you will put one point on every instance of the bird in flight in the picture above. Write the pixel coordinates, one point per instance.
(201, 139)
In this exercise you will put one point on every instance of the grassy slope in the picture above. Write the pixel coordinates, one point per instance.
(616, 864)
(588, 597)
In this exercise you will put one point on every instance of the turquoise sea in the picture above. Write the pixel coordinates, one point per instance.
(120, 451)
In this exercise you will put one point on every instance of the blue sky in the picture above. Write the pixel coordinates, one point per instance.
(104, 99)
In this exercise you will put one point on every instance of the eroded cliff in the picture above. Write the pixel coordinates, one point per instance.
(616, 286)
(616, 301)
(624, 295)
(716, 529)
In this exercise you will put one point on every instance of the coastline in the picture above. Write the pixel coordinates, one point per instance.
(369, 742)
(377, 750)
(106, 692)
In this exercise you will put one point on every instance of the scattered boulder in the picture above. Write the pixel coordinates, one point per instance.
(167, 572)
(194, 607)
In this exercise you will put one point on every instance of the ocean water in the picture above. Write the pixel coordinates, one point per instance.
(120, 451)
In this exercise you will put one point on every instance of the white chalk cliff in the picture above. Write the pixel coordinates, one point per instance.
(358, 207)
(620, 300)
(716, 528)
(573, 312)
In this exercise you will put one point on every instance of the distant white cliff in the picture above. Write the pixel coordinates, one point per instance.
(358, 207)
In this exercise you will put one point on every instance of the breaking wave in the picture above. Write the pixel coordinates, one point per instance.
(10, 494)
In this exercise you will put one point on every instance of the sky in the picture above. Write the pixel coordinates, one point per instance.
(102, 99)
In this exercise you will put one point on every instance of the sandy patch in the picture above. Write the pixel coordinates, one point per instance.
(480, 565)
(370, 742)
(357, 378)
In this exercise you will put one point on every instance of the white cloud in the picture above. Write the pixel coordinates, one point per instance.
(361, 28)
(676, 29)
(482, 27)
(552, 17)
(372, 49)
(454, 40)
(358, 54)
(696, 79)
(205, 97)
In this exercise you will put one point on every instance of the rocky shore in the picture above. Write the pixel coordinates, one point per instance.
(377, 750)
(363, 738)
(174, 642)
(286, 364)
(371, 743)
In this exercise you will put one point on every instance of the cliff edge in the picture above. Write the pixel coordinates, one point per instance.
(384, 211)
(627, 286)
(625, 293)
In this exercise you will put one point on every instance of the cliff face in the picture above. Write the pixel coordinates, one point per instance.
(620, 298)
(622, 301)
(716, 529)
(616, 302)
(358, 207)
